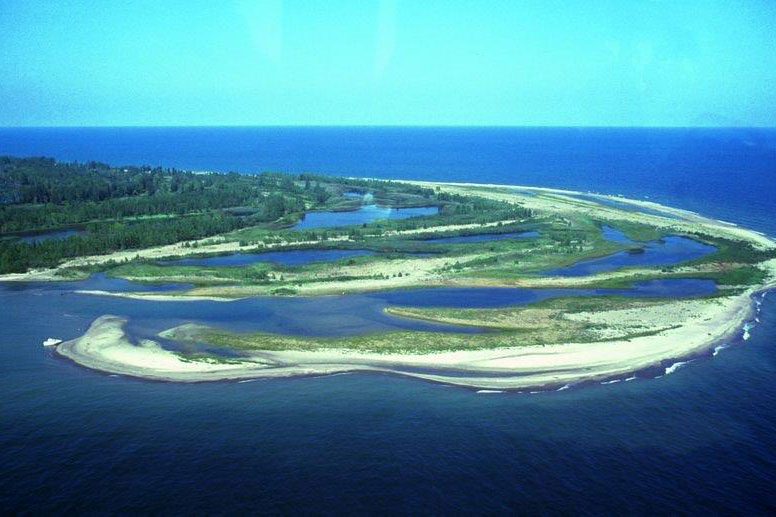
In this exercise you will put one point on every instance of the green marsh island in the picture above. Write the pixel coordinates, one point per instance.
(510, 287)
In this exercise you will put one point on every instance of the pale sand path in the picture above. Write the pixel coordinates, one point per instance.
(690, 222)
(105, 347)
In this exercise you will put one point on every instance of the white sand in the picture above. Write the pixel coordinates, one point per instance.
(705, 323)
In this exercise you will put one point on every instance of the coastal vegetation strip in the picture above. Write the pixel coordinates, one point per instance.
(699, 324)
(133, 217)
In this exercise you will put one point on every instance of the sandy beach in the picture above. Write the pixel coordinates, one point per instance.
(705, 323)
(684, 327)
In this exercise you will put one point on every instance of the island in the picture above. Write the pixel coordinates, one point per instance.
(497, 287)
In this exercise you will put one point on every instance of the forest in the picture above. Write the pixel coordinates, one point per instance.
(134, 207)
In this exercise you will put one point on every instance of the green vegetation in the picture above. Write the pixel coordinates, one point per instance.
(20, 256)
(541, 323)
(134, 208)
(125, 208)
(638, 231)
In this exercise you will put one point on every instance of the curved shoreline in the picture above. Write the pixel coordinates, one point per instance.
(106, 347)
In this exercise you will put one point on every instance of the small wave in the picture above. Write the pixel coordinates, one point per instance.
(328, 375)
(489, 391)
(671, 369)
(612, 381)
(747, 328)
(719, 348)
(564, 387)
(631, 378)
(246, 380)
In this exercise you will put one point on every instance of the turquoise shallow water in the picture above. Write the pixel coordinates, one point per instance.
(699, 439)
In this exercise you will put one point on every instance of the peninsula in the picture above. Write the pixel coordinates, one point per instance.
(508, 287)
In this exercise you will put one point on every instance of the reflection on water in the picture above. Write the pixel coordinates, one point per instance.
(46, 236)
(365, 214)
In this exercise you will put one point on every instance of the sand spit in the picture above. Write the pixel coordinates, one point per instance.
(156, 297)
(106, 347)
(564, 202)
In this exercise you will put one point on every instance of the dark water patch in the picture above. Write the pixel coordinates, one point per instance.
(58, 235)
(287, 258)
(365, 214)
(491, 297)
(668, 251)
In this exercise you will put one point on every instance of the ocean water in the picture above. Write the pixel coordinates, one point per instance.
(726, 172)
(700, 438)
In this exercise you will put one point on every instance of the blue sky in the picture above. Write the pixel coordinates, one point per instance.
(388, 62)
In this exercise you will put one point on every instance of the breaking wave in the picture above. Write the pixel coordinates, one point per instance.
(671, 369)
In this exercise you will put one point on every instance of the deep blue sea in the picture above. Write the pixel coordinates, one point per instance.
(700, 439)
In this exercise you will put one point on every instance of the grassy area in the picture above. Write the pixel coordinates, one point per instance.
(561, 243)
(638, 231)
(535, 324)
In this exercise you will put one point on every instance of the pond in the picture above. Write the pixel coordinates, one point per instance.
(57, 235)
(668, 251)
(365, 214)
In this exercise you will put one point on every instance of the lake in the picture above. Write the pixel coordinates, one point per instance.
(365, 214)
(668, 251)
(57, 235)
